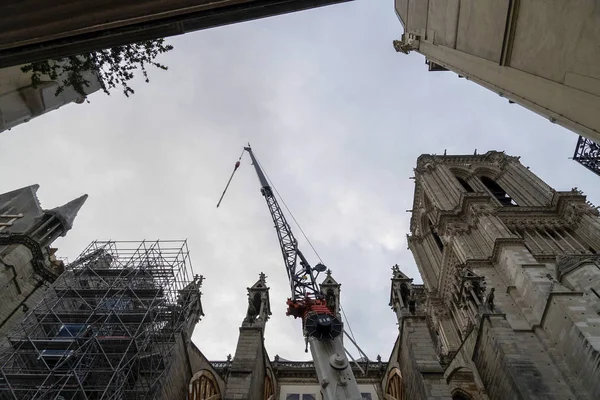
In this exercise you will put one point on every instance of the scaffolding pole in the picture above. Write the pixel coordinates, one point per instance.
(106, 328)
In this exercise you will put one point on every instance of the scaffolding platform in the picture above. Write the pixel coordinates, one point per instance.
(107, 327)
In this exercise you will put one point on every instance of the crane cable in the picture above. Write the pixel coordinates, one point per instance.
(305, 237)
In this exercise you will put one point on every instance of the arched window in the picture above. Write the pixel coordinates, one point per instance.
(465, 184)
(395, 387)
(497, 191)
(257, 301)
(436, 237)
(203, 386)
(460, 395)
(404, 293)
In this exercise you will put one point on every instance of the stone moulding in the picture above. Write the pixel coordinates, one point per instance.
(568, 264)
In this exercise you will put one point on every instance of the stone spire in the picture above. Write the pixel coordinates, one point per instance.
(259, 305)
(66, 213)
(245, 380)
(401, 291)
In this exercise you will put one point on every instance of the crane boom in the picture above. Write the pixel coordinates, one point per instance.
(302, 280)
(321, 327)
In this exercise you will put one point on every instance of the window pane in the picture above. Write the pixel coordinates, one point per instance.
(309, 397)
(293, 396)
(366, 396)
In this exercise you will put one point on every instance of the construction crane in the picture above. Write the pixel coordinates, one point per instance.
(322, 329)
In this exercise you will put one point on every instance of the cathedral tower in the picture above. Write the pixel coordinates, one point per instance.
(511, 276)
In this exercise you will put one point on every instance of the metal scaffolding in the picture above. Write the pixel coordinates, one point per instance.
(106, 327)
(587, 153)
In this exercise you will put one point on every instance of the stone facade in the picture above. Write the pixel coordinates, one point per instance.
(27, 262)
(20, 101)
(540, 54)
(509, 305)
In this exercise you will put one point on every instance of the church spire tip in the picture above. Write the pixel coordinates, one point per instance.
(67, 212)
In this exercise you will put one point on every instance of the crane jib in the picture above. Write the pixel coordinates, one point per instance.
(321, 326)
(302, 281)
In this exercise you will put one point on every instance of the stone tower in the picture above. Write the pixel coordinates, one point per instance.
(247, 377)
(27, 262)
(511, 296)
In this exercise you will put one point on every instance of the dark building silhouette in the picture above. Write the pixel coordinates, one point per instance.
(33, 30)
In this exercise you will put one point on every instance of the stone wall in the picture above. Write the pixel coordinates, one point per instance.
(186, 360)
(496, 43)
(573, 327)
(247, 373)
(419, 364)
(19, 285)
(517, 363)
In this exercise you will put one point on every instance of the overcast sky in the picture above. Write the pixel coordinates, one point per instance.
(336, 117)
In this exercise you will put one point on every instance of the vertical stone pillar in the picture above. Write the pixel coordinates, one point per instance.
(248, 369)
(442, 197)
(424, 265)
(524, 186)
(418, 355)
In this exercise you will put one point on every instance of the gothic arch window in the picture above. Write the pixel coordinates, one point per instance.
(204, 386)
(257, 301)
(460, 394)
(468, 188)
(436, 237)
(395, 387)
(426, 202)
(498, 192)
(404, 293)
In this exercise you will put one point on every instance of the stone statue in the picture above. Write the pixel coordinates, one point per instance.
(401, 47)
(331, 302)
(252, 312)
